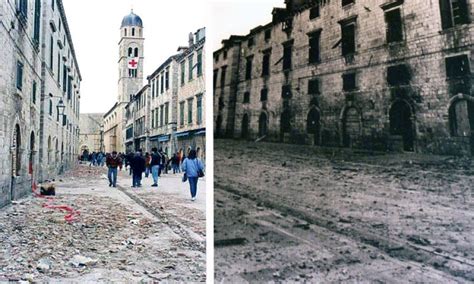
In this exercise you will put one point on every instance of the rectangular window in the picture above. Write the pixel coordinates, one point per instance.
(167, 78)
(167, 109)
(223, 71)
(162, 115)
(33, 95)
(398, 75)
(314, 12)
(347, 2)
(162, 84)
(457, 66)
(248, 68)
(153, 88)
(19, 75)
(453, 12)
(152, 118)
(250, 42)
(156, 117)
(246, 98)
(286, 92)
(59, 69)
(266, 63)
(199, 109)
(349, 82)
(199, 63)
(181, 113)
(313, 87)
(348, 39)
(393, 19)
(314, 39)
(22, 9)
(214, 82)
(224, 54)
(36, 30)
(287, 53)
(264, 95)
(51, 53)
(69, 88)
(268, 35)
(183, 71)
(64, 79)
(50, 107)
(191, 65)
(190, 111)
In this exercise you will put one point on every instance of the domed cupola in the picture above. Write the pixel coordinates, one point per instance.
(132, 20)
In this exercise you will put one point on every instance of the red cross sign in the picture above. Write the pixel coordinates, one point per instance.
(132, 64)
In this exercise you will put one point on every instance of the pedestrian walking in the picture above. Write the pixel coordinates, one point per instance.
(175, 163)
(147, 164)
(113, 162)
(193, 170)
(155, 160)
(138, 167)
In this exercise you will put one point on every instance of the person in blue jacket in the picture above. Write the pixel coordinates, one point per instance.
(192, 167)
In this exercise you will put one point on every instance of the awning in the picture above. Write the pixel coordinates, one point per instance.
(163, 138)
(200, 132)
(182, 134)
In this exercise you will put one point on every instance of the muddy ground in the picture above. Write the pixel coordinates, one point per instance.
(299, 213)
(118, 237)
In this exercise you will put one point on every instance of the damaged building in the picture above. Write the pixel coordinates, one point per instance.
(388, 75)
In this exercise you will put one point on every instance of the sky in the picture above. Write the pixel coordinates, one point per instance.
(95, 31)
(239, 17)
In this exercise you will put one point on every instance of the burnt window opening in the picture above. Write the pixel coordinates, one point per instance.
(216, 58)
(347, 2)
(313, 87)
(286, 92)
(246, 98)
(461, 117)
(287, 53)
(250, 42)
(314, 12)
(221, 103)
(264, 95)
(348, 39)
(398, 75)
(248, 68)
(314, 47)
(268, 35)
(457, 66)
(216, 72)
(266, 64)
(453, 13)
(223, 71)
(224, 54)
(393, 19)
(349, 82)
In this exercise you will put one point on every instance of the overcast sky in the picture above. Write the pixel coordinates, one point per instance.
(239, 17)
(95, 30)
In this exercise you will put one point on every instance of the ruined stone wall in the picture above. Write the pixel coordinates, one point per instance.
(361, 117)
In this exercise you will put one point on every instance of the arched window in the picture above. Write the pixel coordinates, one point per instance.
(49, 149)
(130, 51)
(125, 32)
(133, 31)
(56, 156)
(136, 52)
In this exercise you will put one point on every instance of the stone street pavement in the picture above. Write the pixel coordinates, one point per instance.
(121, 235)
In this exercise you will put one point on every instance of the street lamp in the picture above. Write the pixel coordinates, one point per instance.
(61, 107)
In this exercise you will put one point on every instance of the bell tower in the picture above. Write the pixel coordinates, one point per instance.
(131, 58)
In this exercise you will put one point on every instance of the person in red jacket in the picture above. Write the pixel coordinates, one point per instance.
(113, 162)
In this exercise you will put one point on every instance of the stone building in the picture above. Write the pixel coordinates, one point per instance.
(91, 137)
(386, 75)
(131, 62)
(190, 105)
(39, 86)
(168, 112)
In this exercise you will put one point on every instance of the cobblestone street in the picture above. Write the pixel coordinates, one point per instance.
(121, 234)
(300, 213)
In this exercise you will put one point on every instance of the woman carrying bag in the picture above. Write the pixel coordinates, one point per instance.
(193, 169)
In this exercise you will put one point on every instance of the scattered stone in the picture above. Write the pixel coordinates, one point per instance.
(79, 261)
(43, 265)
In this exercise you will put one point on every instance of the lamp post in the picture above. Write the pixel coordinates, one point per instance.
(60, 107)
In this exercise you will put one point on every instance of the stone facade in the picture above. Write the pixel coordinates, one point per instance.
(91, 137)
(152, 117)
(383, 75)
(31, 92)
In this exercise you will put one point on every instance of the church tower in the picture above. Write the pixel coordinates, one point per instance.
(130, 57)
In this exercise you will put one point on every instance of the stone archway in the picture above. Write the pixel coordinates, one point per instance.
(313, 125)
(401, 124)
(351, 126)
(262, 125)
(245, 127)
(218, 126)
(32, 153)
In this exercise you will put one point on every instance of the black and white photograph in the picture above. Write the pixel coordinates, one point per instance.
(344, 135)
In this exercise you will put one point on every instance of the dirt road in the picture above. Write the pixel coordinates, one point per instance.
(289, 212)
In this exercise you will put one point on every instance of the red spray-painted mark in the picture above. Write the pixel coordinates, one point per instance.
(70, 217)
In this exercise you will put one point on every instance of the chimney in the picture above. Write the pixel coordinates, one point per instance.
(191, 39)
